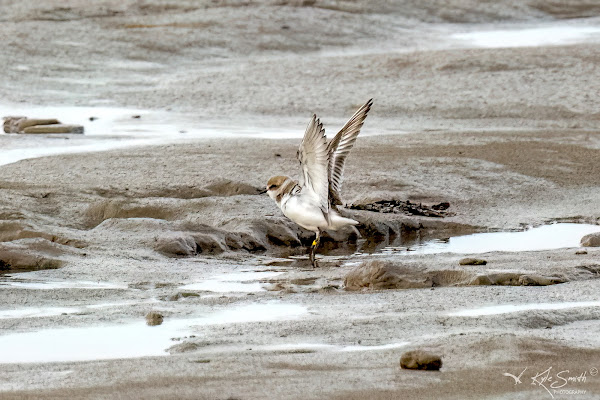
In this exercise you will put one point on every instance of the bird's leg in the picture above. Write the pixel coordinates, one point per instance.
(313, 249)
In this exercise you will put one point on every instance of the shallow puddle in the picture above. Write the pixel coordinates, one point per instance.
(35, 312)
(530, 37)
(40, 312)
(93, 343)
(51, 285)
(513, 308)
(109, 128)
(134, 339)
(547, 237)
(246, 282)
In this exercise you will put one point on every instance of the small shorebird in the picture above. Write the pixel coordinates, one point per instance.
(313, 203)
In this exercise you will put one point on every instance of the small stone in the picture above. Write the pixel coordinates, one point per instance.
(420, 359)
(11, 123)
(580, 252)
(154, 318)
(472, 261)
(591, 240)
(55, 128)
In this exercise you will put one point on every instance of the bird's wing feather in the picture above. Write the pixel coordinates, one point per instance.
(340, 147)
(314, 161)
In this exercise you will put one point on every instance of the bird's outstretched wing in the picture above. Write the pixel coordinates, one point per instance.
(314, 161)
(339, 148)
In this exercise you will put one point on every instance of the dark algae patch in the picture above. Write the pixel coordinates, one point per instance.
(439, 210)
(4, 266)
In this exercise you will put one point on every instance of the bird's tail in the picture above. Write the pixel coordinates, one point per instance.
(337, 221)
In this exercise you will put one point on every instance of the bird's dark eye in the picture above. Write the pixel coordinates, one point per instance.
(272, 187)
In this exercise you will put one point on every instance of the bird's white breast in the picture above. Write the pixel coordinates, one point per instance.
(302, 210)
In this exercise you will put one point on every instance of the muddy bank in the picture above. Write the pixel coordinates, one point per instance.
(148, 211)
(377, 275)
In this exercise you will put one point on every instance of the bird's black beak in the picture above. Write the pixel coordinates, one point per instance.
(263, 191)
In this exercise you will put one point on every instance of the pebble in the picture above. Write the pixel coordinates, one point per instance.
(11, 123)
(420, 359)
(154, 318)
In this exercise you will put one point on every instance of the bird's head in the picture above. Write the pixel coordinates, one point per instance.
(275, 186)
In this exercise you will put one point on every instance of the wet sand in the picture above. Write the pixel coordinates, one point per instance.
(506, 136)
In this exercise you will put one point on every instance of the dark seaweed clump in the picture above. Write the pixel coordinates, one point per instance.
(404, 207)
(4, 266)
